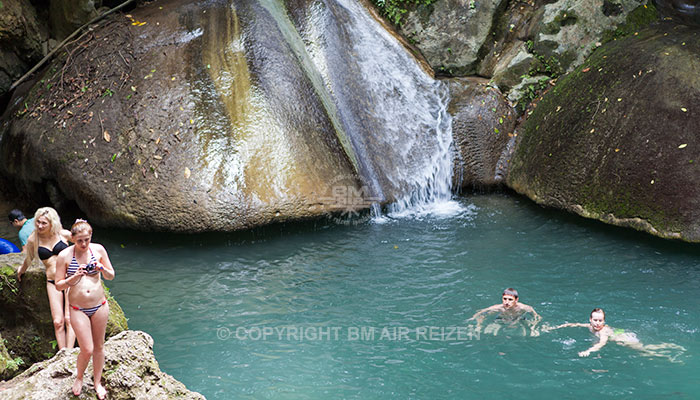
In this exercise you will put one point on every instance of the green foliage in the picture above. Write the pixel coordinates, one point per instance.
(393, 10)
(531, 92)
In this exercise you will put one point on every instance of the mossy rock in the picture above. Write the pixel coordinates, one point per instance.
(616, 140)
(8, 365)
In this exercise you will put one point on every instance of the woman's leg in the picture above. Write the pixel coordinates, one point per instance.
(56, 306)
(83, 331)
(70, 334)
(99, 325)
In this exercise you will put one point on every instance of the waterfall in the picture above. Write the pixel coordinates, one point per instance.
(393, 112)
(389, 115)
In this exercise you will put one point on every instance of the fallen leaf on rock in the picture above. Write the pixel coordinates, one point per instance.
(684, 109)
(586, 69)
(683, 146)
(106, 136)
(187, 173)
(158, 157)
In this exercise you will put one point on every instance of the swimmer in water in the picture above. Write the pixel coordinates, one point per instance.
(511, 313)
(606, 333)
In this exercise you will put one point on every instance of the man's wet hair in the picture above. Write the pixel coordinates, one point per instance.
(510, 292)
(16, 215)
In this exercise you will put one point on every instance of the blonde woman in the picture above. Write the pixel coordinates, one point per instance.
(46, 242)
(81, 267)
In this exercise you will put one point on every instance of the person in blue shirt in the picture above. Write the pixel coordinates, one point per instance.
(25, 226)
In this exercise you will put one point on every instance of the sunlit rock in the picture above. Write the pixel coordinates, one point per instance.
(131, 372)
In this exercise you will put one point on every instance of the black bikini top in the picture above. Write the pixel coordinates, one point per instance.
(45, 253)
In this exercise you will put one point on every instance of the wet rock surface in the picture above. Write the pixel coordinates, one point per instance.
(483, 123)
(685, 10)
(131, 372)
(616, 139)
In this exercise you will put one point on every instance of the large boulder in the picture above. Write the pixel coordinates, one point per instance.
(616, 140)
(483, 123)
(157, 121)
(25, 317)
(21, 38)
(131, 372)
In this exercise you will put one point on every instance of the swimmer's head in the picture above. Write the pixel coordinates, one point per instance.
(597, 319)
(509, 297)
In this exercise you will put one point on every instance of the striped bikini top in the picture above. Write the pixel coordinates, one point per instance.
(73, 266)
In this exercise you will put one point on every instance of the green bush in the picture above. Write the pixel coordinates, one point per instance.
(393, 10)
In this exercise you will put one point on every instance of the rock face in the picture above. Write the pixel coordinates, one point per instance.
(450, 33)
(517, 44)
(25, 318)
(68, 15)
(483, 124)
(21, 37)
(616, 140)
(686, 10)
(131, 372)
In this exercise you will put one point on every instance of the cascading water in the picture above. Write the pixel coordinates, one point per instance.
(393, 112)
(325, 75)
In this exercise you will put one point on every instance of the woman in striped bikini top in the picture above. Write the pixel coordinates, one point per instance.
(82, 267)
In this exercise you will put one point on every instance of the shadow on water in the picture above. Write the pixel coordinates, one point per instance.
(620, 234)
(281, 230)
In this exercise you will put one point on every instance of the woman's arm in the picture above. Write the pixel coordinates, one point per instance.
(66, 235)
(62, 260)
(104, 264)
(566, 325)
(603, 340)
(30, 252)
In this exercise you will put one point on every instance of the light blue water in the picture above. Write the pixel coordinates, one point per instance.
(413, 273)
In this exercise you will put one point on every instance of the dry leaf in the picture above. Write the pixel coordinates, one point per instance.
(106, 136)
(683, 146)
(187, 173)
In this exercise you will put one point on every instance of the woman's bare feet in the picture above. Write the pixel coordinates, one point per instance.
(77, 387)
(101, 391)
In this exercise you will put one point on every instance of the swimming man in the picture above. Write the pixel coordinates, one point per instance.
(511, 313)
